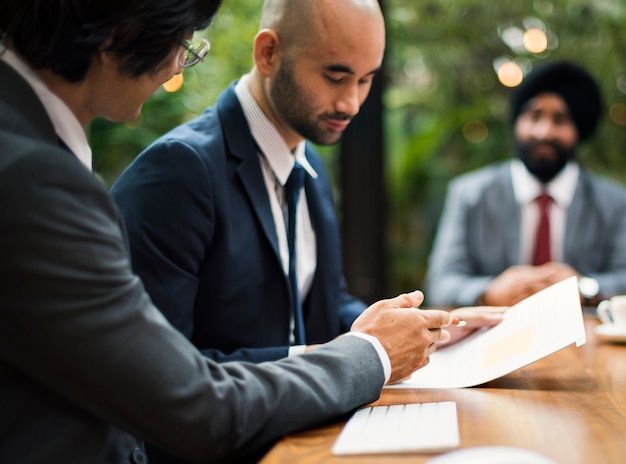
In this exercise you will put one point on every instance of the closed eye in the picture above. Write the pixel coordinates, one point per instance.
(334, 80)
(337, 74)
(341, 79)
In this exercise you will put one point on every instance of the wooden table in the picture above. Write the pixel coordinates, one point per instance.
(570, 407)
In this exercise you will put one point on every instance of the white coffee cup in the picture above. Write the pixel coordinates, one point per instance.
(613, 311)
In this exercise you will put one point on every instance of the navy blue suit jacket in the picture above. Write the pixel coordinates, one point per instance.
(204, 242)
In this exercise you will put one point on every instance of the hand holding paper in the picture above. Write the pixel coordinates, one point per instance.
(532, 329)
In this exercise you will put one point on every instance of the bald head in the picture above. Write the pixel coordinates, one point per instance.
(315, 61)
(300, 23)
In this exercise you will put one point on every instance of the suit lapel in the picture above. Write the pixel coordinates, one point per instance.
(244, 150)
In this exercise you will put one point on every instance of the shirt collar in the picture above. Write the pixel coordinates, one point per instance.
(267, 137)
(561, 188)
(65, 123)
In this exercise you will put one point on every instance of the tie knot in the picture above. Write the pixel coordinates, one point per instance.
(296, 178)
(544, 199)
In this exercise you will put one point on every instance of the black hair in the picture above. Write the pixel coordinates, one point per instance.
(65, 35)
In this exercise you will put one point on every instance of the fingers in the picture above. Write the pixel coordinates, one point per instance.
(445, 337)
(480, 316)
(408, 334)
(437, 318)
(407, 300)
(478, 312)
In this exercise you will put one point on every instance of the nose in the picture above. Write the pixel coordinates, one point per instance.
(349, 102)
(544, 129)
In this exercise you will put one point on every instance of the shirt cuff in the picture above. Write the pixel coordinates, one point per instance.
(296, 350)
(382, 354)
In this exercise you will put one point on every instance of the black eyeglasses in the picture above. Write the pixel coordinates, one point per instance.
(194, 52)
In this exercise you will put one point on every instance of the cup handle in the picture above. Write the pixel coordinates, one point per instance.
(604, 312)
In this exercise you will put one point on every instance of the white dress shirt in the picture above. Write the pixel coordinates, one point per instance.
(526, 188)
(277, 162)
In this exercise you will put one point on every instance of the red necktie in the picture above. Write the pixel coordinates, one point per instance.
(541, 254)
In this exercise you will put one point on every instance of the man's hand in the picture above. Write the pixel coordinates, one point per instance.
(519, 282)
(475, 317)
(408, 334)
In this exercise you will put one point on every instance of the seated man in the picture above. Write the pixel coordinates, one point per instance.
(89, 368)
(492, 246)
(204, 204)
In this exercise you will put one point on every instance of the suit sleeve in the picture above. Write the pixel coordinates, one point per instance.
(77, 321)
(595, 244)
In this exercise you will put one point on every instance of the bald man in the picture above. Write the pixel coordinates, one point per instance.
(204, 203)
(88, 366)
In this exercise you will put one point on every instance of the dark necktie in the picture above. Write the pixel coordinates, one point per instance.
(292, 194)
(542, 252)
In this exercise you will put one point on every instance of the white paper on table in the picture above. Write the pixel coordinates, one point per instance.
(534, 328)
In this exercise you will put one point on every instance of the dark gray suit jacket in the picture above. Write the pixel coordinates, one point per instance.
(83, 352)
(479, 229)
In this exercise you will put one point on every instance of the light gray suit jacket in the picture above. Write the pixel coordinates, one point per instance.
(479, 235)
(87, 362)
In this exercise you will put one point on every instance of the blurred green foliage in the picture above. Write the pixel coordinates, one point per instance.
(441, 92)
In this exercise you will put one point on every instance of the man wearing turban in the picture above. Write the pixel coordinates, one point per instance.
(517, 226)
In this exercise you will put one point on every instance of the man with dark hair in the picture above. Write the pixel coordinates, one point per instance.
(87, 362)
(513, 228)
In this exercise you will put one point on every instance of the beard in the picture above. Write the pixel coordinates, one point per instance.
(545, 168)
(297, 107)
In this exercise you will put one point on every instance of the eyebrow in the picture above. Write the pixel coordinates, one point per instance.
(528, 107)
(341, 68)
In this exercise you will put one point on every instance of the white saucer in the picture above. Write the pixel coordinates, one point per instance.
(611, 333)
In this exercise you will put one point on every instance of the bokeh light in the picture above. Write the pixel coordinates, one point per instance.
(510, 74)
(535, 40)
(475, 131)
(513, 37)
(174, 84)
(617, 113)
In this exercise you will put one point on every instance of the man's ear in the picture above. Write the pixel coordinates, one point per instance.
(266, 51)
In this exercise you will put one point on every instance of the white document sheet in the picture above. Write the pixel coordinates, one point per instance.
(532, 329)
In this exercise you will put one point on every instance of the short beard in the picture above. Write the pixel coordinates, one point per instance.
(298, 108)
(542, 168)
